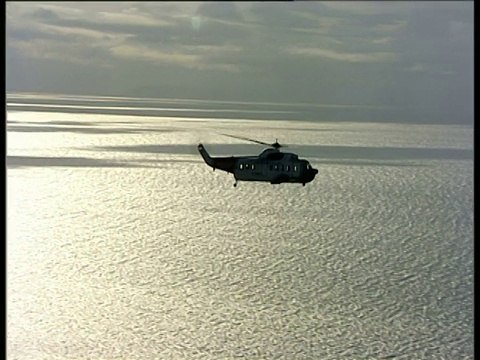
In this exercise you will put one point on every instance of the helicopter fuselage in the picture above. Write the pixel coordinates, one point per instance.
(271, 166)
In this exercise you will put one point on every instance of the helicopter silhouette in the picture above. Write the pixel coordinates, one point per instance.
(271, 165)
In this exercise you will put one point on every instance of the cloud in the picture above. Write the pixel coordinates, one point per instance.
(47, 11)
(183, 58)
(45, 49)
(417, 68)
(63, 31)
(425, 68)
(376, 8)
(390, 27)
(343, 56)
(357, 7)
(219, 10)
(126, 19)
(362, 52)
(383, 40)
(144, 53)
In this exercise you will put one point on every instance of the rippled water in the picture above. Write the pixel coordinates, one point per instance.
(122, 243)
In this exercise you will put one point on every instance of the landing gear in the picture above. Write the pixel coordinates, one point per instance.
(303, 184)
(235, 183)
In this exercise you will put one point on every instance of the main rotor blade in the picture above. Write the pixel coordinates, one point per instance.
(247, 139)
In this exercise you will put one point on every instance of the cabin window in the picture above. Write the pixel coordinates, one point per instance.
(247, 166)
(295, 168)
(287, 167)
(241, 166)
(276, 167)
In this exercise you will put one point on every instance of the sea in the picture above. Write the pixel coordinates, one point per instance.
(121, 243)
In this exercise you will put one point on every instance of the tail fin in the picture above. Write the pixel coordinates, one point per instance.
(205, 155)
(223, 163)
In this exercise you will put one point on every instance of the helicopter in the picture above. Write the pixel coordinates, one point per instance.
(271, 165)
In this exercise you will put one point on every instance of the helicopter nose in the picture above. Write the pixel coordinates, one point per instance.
(310, 175)
(312, 172)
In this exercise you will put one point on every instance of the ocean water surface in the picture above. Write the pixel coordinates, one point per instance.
(122, 243)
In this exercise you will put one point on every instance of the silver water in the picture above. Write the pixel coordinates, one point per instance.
(122, 243)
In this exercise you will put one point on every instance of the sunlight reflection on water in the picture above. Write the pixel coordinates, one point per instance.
(125, 245)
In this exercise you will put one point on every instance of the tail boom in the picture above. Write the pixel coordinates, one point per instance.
(223, 163)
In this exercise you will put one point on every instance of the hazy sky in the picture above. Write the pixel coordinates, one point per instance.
(416, 57)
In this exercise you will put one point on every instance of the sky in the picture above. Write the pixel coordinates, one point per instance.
(414, 58)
